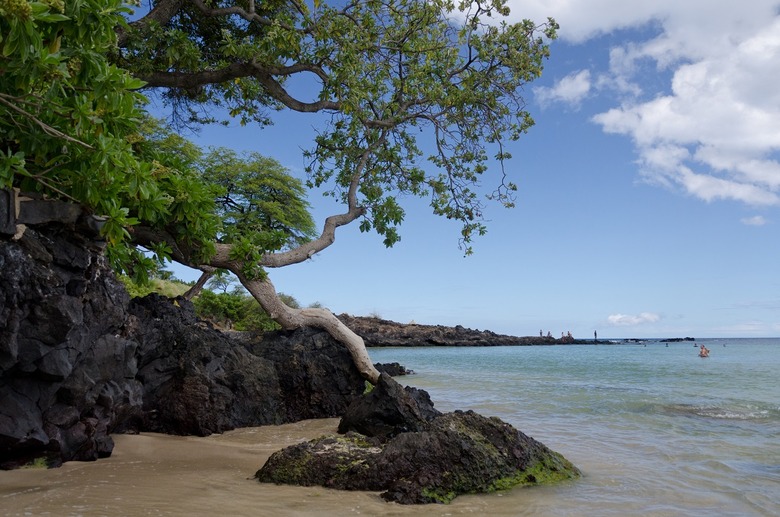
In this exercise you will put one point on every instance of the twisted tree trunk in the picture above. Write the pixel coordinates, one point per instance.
(264, 292)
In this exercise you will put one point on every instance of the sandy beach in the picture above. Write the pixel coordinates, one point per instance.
(154, 474)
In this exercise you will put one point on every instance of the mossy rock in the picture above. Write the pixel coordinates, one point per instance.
(457, 453)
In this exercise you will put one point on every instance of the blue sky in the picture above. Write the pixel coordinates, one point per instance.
(649, 189)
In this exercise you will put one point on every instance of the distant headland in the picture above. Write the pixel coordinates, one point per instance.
(380, 332)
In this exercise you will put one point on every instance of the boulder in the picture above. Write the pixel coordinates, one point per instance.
(417, 455)
(198, 380)
(389, 409)
(393, 369)
(67, 370)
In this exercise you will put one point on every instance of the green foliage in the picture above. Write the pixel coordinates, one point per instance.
(40, 462)
(250, 201)
(258, 199)
(69, 120)
(164, 286)
(191, 41)
(220, 281)
(397, 77)
(236, 310)
(406, 67)
(64, 110)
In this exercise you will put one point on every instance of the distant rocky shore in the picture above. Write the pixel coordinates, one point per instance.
(380, 332)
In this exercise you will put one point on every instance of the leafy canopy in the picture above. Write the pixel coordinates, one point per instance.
(70, 121)
(258, 200)
(72, 125)
(402, 82)
(64, 110)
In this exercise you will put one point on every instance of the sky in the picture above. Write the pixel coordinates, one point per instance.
(649, 189)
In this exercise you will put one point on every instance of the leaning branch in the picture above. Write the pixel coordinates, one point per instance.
(265, 76)
(162, 13)
(328, 235)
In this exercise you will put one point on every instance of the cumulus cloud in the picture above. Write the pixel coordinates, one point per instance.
(756, 220)
(627, 320)
(713, 131)
(571, 90)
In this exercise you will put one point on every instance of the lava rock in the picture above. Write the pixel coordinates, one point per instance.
(433, 461)
(80, 360)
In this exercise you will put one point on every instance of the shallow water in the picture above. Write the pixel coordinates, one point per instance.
(656, 430)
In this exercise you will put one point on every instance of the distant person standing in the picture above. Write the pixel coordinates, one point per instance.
(595, 336)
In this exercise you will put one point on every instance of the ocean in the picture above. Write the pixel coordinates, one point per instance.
(656, 430)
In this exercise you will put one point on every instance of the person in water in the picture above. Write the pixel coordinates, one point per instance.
(704, 351)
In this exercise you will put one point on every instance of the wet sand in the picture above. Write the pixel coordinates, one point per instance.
(154, 474)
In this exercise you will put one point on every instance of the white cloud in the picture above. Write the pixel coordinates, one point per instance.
(626, 320)
(756, 220)
(714, 130)
(571, 90)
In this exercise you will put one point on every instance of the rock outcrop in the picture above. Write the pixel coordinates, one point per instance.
(67, 368)
(79, 360)
(380, 332)
(394, 441)
(198, 380)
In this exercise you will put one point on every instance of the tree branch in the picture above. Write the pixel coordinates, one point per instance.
(264, 292)
(191, 80)
(45, 127)
(162, 13)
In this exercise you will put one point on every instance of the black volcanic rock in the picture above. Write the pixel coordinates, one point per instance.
(198, 380)
(79, 360)
(67, 369)
(414, 454)
(393, 369)
(389, 409)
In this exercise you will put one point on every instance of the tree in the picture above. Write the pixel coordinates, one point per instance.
(262, 206)
(259, 204)
(385, 71)
(64, 110)
(394, 78)
(70, 127)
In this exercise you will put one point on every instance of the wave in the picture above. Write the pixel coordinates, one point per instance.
(749, 412)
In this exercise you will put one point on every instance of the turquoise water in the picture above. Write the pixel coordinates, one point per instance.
(655, 429)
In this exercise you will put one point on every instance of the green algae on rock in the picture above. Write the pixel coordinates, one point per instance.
(435, 461)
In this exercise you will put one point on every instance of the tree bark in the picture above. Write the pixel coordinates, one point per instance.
(206, 274)
(264, 292)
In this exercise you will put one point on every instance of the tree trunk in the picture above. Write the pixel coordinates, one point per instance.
(264, 292)
(195, 290)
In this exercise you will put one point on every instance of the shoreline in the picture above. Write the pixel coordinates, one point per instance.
(168, 475)
(378, 332)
